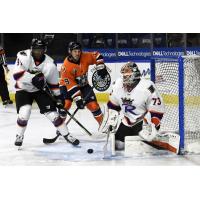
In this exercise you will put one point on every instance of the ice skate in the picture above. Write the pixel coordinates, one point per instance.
(19, 140)
(7, 102)
(71, 140)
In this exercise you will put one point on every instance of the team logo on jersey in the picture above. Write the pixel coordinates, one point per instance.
(99, 83)
(127, 101)
(127, 106)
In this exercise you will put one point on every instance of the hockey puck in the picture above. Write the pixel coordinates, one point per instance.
(90, 151)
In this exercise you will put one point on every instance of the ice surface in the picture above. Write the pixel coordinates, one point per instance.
(35, 153)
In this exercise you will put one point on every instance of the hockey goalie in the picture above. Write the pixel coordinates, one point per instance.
(135, 98)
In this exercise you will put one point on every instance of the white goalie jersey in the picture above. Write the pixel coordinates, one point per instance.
(25, 69)
(136, 104)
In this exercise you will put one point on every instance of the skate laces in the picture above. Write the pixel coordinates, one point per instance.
(19, 137)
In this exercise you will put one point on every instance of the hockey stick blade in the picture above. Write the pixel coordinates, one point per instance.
(50, 140)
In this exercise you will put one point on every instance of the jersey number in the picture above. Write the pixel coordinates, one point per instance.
(156, 101)
(66, 80)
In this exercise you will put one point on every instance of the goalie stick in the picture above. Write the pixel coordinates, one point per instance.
(52, 140)
(111, 134)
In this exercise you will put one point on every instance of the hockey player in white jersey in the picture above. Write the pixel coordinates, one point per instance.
(34, 70)
(134, 97)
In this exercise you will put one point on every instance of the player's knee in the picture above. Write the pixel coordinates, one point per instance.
(93, 106)
(68, 104)
(22, 122)
(96, 111)
(24, 115)
(58, 121)
(54, 118)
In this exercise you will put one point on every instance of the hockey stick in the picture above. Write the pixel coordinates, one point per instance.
(52, 140)
(105, 148)
(84, 100)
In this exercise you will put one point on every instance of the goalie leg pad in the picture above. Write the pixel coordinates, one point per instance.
(110, 118)
(134, 145)
(168, 140)
(119, 145)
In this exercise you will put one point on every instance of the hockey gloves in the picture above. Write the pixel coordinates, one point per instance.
(39, 80)
(149, 132)
(60, 102)
(79, 102)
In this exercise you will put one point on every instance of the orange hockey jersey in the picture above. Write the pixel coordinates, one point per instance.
(75, 75)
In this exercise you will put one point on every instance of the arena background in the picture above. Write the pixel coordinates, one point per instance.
(117, 48)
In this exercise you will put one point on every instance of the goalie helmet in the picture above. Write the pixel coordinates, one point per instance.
(130, 74)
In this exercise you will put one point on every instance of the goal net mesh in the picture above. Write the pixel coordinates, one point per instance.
(167, 82)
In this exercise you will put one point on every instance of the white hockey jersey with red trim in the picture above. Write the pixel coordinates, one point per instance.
(135, 104)
(25, 68)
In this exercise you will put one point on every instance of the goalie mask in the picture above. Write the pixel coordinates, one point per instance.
(130, 74)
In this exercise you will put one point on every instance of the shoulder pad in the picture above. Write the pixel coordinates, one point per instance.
(24, 57)
(23, 53)
(151, 89)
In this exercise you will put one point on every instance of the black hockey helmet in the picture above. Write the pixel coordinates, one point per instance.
(38, 48)
(38, 44)
(73, 46)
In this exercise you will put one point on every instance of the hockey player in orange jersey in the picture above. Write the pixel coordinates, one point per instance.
(74, 79)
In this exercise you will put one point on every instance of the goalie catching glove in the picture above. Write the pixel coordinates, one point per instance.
(101, 70)
(149, 132)
(110, 120)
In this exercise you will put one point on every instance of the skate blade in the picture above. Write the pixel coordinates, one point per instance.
(19, 148)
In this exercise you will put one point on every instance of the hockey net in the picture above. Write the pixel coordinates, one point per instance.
(168, 81)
